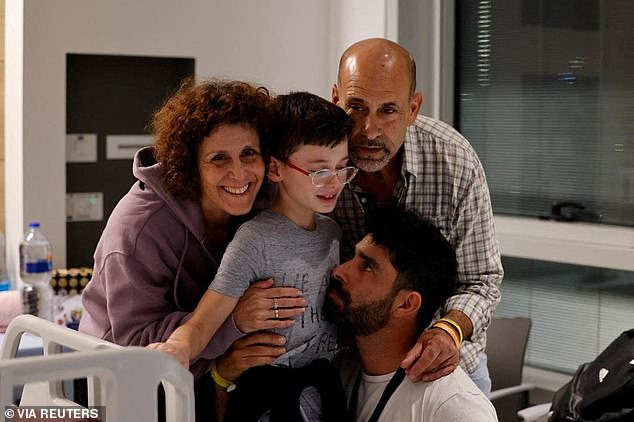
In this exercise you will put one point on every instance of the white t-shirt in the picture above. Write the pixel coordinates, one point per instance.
(454, 398)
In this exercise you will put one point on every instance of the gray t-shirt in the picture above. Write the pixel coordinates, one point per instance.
(271, 245)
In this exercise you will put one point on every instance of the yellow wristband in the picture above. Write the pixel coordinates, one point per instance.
(219, 379)
(449, 330)
(455, 325)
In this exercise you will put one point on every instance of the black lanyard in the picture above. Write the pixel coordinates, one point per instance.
(387, 393)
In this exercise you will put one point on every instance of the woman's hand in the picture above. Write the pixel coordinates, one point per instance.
(178, 350)
(255, 349)
(263, 307)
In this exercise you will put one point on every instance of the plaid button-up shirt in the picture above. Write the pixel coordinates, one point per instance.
(443, 181)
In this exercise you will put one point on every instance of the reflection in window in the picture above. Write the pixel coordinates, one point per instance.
(545, 93)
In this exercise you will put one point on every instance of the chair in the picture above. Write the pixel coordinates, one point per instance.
(506, 348)
(122, 379)
(536, 413)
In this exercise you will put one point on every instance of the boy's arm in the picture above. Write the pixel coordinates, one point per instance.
(188, 340)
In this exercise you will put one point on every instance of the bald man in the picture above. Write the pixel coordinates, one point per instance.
(431, 169)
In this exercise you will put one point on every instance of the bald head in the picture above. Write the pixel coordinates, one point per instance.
(378, 53)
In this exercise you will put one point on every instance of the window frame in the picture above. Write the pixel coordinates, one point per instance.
(596, 245)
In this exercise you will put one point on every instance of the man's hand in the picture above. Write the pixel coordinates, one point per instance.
(435, 354)
(439, 356)
(256, 349)
(263, 307)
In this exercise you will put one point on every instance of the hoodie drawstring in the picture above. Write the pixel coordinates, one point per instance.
(180, 266)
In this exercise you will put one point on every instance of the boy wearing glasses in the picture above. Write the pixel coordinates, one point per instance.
(296, 246)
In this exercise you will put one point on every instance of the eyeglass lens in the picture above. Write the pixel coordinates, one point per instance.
(323, 177)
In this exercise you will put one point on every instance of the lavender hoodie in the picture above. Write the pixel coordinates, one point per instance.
(152, 266)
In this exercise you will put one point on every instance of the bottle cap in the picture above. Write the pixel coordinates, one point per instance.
(34, 224)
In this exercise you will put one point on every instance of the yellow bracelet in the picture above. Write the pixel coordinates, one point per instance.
(455, 325)
(219, 379)
(449, 330)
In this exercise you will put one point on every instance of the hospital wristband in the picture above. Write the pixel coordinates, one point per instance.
(219, 379)
(449, 330)
(455, 325)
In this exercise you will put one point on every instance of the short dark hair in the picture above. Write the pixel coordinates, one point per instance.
(423, 258)
(195, 110)
(307, 119)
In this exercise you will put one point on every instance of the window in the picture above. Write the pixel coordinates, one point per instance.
(545, 93)
(576, 311)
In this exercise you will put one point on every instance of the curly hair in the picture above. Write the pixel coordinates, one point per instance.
(191, 114)
(425, 261)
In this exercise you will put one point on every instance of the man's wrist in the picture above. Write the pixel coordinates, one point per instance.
(449, 330)
(454, 325)
(219, 379)
(461, 320)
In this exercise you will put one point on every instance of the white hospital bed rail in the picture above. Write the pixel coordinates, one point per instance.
(123, 379)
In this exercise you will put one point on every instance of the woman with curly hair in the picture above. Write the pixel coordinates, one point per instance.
(164, 240)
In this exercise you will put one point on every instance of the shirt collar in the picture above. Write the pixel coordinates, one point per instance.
(411, 160)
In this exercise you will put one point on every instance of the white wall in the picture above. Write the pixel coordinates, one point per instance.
(426, 29)
(284, 44)
(354, 20)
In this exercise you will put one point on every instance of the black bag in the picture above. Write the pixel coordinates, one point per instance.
(602, 390)
(278, 389)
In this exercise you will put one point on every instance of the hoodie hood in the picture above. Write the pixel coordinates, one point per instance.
(147, 170)
(152, 266)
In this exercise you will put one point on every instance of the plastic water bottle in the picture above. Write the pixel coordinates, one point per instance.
(35, 270)
(5, 284)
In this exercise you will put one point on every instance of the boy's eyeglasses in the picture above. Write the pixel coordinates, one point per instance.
(321, 178)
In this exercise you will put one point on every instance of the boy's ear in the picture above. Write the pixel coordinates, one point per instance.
(406, 303)
(274, 170)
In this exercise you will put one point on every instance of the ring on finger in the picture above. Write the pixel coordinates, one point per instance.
(275, 306)
(277, 313)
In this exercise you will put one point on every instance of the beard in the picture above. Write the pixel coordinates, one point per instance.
(361, 320)
(369, 163)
